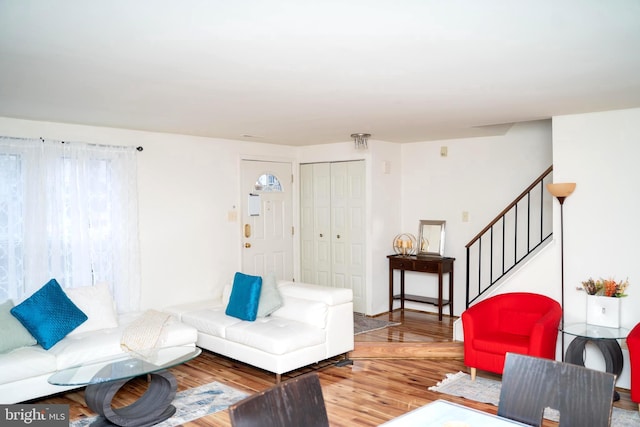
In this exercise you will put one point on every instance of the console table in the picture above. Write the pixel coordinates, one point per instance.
(428, 264)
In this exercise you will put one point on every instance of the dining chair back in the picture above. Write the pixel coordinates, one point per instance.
(292, 403)
(584, 397)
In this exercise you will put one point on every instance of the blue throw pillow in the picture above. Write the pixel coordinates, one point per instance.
(48, 314)
(245, 297)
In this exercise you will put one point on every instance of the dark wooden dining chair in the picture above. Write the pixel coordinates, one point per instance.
(292, 403)
(584, 397)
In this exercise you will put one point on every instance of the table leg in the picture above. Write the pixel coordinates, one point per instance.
(609, 348)
(402, 290)
(390, 289)
(440, 292)
(153, 407)
(451, 292)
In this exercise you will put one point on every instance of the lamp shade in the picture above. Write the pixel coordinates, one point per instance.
(562, 189)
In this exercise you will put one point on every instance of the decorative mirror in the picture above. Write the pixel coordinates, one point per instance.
(431, 238)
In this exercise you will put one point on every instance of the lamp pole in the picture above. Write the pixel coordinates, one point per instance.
(561, 192)
(561, 200)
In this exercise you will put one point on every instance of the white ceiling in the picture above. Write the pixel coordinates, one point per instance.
(311, 72)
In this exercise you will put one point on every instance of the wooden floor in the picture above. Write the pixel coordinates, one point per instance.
(367, 393)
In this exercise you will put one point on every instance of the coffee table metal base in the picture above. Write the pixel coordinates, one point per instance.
(611, 352)
(153, 407)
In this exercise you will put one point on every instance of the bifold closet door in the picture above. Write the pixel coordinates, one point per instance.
(332, 226)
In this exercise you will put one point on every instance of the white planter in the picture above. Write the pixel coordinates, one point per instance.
(603, 311)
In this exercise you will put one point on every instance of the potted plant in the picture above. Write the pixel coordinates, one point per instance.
(603, 301)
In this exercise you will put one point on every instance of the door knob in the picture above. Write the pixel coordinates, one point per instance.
(247, 245)
(338, 236)
(320, 234)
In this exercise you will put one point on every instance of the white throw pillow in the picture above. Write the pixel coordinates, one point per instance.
(270, 299)
(97, 303)
(226, 294)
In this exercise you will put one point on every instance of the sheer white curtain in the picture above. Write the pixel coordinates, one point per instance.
(68, 211)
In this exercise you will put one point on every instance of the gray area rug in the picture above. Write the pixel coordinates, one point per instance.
(362, 324)
(488, 391)
(192, 404)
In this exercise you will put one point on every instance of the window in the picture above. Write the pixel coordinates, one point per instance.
(268, 182)
(11, 225)
(68, 211)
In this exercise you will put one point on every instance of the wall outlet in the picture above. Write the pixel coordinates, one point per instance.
(444, 151)
(232, 216)
(465, 216)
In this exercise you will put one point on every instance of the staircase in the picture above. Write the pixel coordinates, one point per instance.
(513, 235)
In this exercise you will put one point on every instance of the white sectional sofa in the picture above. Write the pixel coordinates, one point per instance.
(24, 370)
(314, 323)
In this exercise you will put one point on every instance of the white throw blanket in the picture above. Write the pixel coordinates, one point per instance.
(142, 336)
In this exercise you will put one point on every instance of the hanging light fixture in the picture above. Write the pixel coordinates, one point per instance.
(360, 140)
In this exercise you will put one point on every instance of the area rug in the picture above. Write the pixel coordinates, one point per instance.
(192, 404)
(362, 324)
(488, 391)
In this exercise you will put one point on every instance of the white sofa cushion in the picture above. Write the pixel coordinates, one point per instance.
(26, 362)
(275, 335)
(105, 343)
(87, 347)
(312, 313)
(179, 310)
(210, 321)
(177, 333)
(329, 296)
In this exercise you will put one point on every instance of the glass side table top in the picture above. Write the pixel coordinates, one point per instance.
(124, 366)
(595, 332)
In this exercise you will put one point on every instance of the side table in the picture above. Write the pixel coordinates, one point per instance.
(606, 339)
(431, 264)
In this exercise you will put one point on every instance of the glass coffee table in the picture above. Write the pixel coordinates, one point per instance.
(104, 379)
(604, 338)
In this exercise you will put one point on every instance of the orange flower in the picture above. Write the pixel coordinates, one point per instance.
(607, 288)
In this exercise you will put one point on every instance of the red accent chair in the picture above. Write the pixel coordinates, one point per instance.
(633, 344)
(517, 322)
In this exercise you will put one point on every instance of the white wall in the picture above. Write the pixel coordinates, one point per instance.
(480, 176)
(386, 185)
(599, 152)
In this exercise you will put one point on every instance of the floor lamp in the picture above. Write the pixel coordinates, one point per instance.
(561, 191)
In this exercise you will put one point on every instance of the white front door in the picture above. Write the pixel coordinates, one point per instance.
(267, 218)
